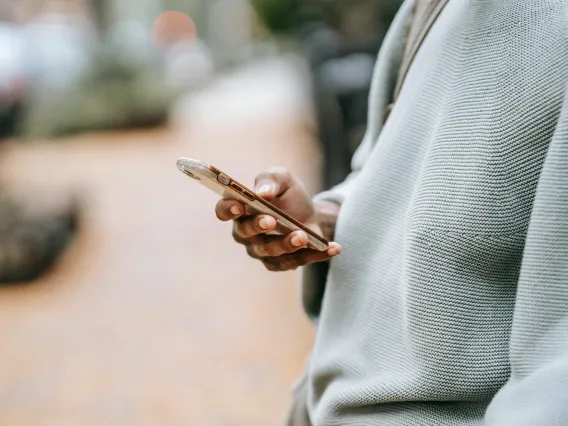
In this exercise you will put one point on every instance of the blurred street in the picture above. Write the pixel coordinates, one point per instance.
(137, 325)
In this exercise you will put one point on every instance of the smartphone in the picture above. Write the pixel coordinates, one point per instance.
(227, 187)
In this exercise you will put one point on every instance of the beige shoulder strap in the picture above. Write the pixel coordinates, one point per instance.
(425, 14)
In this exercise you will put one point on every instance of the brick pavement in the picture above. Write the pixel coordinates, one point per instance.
(153, 317)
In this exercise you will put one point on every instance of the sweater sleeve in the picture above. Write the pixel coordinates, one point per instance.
(537, 392)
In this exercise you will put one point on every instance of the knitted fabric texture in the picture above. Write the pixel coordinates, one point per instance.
(449, 304)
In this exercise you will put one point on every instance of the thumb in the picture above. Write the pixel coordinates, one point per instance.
(272, 183)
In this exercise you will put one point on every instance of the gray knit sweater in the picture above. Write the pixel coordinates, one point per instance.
(449, 304)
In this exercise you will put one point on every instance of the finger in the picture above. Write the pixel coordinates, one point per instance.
(251, 252)
(248, 241)
(251, 226)
(288, 262)
(272, 183)
(272, 246)
(238, 238)
(229, 209)
(271, 267)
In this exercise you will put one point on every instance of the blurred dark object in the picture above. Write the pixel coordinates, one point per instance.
(12, 78)
(341, 79)
(10, 117)
(33, 237)
(340, 39)
(12, 96)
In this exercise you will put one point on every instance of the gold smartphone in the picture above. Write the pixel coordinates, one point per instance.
(227, 187)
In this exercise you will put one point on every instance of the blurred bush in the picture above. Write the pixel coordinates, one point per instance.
(34, 233)
(279, 15)
(114, 94)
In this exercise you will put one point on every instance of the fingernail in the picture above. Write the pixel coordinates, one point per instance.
(263, 223)
(297, 239)
(264, 189)
(334, 250)
(235, 210)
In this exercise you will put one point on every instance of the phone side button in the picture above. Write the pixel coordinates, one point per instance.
(248, 195)
(224, 179)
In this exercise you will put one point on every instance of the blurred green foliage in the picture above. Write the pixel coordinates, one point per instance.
(282, 16)
(114, 95)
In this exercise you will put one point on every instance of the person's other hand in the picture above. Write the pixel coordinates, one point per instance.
(285, 251)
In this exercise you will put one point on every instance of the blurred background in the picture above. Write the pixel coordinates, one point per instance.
(123, 300)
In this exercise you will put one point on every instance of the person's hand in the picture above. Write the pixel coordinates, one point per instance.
(283, 251)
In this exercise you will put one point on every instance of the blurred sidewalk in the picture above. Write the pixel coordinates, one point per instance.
(154, 317)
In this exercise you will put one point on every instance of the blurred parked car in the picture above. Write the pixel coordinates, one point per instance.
(40, 57)
(58, 49)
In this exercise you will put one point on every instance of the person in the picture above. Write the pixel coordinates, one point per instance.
(446, 302)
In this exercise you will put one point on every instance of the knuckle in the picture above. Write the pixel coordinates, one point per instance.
(295, 261)
(245, 229)
(289, 267)
(271, 249)
(260, 250)
(293, 264)
(278, 251)
(270, 267)
(236, 235)
(251, 252)
(221, 210)
(219, 213)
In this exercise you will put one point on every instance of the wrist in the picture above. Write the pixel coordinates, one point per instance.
(326, 214)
